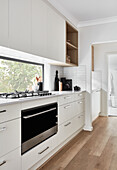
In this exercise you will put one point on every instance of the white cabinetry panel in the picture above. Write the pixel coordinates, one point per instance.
(9, 112)
(4, 23)
(48, 32)
(11, 161)
(39, 28)
(36, 154)
(55, 36)
(20, 25)
(10, 136)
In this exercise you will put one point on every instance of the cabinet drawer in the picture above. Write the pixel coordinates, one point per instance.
(79, 106)
(37, 153)
(79, 96)
(80, 119)
(65, 130)
(65, 99)
(66, 112)
(10, 136)
(11, 161)
(9, 112)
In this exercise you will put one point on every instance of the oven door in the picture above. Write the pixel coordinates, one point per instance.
(38, 124)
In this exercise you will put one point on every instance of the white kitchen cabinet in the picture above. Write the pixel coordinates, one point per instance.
(48, 32)
(79, 121)
(4, 23)
(96, 104)
(10, 112)
(65, 130)
(10, 136)
(55, 36)
(20, 25)
(37, 153)
(11, 161)
(65, 99)
(39, 28)
(66, 112)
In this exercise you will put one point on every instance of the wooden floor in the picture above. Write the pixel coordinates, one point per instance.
(96, 150)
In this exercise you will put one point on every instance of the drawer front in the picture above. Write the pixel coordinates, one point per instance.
(80, 120)
(79, 96)
(9, 112)
(66, 112)
(81, 106)
(10, 136)
(37, 153)
(65, 130)
(11, 161)
(65, 99)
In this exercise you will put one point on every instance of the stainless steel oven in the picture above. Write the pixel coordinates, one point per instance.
(38, 124)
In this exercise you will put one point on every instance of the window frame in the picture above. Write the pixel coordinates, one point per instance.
(27, 62)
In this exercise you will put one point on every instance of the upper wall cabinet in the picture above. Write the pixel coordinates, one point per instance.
(55, 36)
(48, 37)
(20, 25)
(39, 28)
(4, 23)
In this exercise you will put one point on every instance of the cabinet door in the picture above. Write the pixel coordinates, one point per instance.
(3, 22)
(20, 25)
(39, 28)
(10, 136)
(55, 36)
(11, 161)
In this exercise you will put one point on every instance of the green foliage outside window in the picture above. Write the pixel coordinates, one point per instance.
(18, 75)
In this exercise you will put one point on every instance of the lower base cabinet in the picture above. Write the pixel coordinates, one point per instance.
(11, 161)
(37, 153)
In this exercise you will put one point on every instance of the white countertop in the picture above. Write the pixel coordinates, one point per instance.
(55, 94)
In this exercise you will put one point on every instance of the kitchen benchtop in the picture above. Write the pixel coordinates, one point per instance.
(20, 100)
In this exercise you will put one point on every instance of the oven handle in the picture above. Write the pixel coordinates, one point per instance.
(27, 117)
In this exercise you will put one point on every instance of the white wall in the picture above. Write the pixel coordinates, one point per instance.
(89, 35)
(77, 74)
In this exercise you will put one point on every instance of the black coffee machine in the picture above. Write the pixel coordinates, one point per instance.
(66, 84)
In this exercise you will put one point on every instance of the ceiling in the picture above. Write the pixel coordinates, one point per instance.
(87, 10)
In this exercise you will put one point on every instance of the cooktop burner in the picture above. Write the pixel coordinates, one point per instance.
(27, 93)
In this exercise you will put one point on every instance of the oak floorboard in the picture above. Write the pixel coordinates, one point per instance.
(96, 150)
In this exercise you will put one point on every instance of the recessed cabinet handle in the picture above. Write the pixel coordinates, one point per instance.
(98, 91)
(2, 163)
(2, 111)
(66, 107)
(80, 102)
(44, 150)
(67, 97)
(2, 129)
(67, 124)
(79, 94)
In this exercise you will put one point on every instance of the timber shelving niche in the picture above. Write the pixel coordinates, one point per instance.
(71, 45)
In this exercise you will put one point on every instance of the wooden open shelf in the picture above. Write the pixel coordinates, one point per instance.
(71, 45)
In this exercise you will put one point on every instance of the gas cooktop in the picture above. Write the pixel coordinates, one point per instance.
(24, 94)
